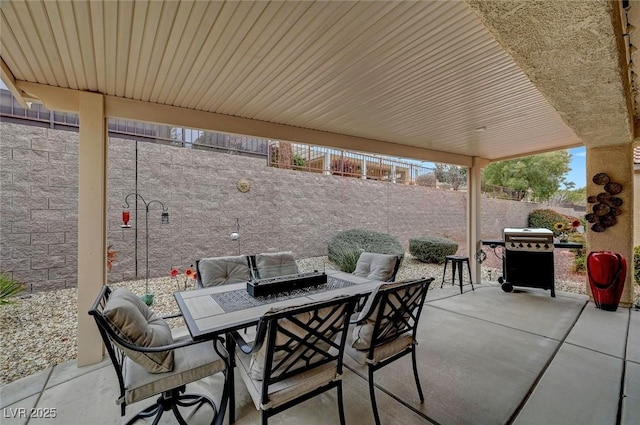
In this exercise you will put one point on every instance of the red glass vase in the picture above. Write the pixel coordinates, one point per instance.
(607, 272)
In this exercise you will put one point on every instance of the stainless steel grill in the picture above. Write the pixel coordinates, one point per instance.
(528, 259)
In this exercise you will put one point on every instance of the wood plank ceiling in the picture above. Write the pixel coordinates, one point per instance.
(426, 74)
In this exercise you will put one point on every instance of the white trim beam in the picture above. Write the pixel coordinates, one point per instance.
(53, 98)
(181, 117)
(9, 80)
(59, 99)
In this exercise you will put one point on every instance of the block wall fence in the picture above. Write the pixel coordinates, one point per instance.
(283, 210)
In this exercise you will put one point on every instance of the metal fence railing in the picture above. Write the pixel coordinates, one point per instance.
(315, 159)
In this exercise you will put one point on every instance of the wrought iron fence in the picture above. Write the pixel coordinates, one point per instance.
(315, 159)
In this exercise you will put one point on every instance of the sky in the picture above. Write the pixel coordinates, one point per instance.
(578, 164)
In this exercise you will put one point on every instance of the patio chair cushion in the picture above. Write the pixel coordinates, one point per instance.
(137, 324)
(362, 333)
(381, 352)
(222, 270)
(275, 264)
(287, 389)
(256, 364)
(191, 363)
(375, 266)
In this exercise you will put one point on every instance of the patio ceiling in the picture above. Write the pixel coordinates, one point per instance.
(386, 77)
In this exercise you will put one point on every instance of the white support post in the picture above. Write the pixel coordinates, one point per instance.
(92, 229)
(474, 215)
(327, 163)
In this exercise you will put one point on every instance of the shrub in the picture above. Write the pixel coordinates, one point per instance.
(347, 261)
(636, 263)
(345, 247)
(432, 249)
(426, 180)
(8, 288)
(298, 161)
(546, 219)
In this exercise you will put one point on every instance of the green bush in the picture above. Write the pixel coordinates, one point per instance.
(545, 219)
(432, 249)
(636, 264)
(347, 261)
(345, 247)
(8, 288)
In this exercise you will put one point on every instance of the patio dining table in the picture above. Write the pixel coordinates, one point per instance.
(218, 310)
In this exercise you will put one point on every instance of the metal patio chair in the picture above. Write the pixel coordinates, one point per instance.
(386, 329)
(149, 362)
(297, 354)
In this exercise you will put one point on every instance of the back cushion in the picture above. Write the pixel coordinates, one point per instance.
(375, 266)
(222, 270)
(275, 264)
(137, 324)
(303, 355)
(363, 332)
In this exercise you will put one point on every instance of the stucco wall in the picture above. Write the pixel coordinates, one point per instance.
(284, 209)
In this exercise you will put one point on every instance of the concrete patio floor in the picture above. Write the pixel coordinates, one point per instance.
(485, 357)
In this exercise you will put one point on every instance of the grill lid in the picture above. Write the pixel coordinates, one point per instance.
(528, 232)
(528, 239)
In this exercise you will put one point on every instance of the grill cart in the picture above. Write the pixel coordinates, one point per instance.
(527, 259)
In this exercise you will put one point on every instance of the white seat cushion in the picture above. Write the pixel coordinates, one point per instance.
(381, 352)
(288, 389)
(191, 363)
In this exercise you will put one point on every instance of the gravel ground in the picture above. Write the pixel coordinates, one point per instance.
(39, 330)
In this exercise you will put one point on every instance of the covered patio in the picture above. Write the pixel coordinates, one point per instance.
(458, 82)
(485, 357)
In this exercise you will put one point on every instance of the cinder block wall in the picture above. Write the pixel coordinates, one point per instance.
(283, 210)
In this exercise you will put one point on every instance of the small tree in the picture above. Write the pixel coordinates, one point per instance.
(541, 174)
(427, 180)
(452, 174)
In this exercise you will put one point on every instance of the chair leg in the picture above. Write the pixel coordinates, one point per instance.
(460, 276)
(470, 278)
(189, 400)
(340, 405)
(444, 273)
(230, 345)
(265, 418)
(150, 411)
(171, 400)
(372, 394)
(415, 374)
